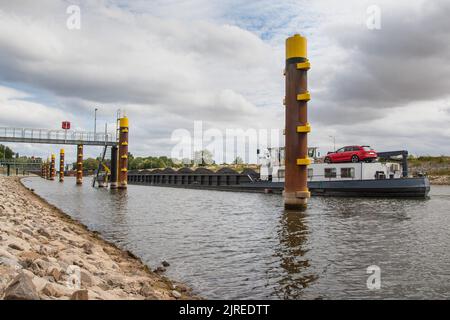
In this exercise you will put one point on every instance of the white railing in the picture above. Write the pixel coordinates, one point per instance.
(59, 135)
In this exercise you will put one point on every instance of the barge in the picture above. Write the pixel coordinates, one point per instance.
(376, 179)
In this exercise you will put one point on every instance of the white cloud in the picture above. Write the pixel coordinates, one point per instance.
(170, 63)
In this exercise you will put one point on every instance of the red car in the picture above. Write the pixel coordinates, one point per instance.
(352, 154)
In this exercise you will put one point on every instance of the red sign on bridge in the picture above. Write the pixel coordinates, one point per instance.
(66, 125)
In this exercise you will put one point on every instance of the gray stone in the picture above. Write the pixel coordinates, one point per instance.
(165, 264)
(160, 270)
(21, 288)
(27, 231)
(44, 233)
(15, 246)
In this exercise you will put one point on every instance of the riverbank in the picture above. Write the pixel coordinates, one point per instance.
(439, 180)
(45, 254)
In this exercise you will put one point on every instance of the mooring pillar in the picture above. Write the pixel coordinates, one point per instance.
(114, 167)
(80, 164)
(296, 191)
(44, 170)
(52, 167)
(123, 153)
(61, 165)
(47, 169)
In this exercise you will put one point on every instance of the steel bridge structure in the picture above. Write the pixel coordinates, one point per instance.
(60, 137)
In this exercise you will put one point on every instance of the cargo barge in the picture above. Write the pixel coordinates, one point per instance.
(377, 179)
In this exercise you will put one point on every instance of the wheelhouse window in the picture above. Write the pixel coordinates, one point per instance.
(330, 172)
(347, 172)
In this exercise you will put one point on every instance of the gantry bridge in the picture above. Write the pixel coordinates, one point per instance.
(45, 136)
(117, 142)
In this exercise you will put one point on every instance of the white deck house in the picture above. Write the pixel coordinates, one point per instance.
(272, 168)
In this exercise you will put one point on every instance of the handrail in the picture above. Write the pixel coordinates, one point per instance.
(55, 135)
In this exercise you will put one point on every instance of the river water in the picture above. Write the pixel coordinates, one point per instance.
(228, 245)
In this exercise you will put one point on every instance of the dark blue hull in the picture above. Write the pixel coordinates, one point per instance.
(394, 188)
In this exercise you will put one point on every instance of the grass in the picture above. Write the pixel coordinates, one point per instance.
(435, 166)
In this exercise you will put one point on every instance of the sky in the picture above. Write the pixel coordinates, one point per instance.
(167, 64)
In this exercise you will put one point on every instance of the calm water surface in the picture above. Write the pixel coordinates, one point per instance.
(245, 246)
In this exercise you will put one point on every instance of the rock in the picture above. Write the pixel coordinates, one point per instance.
(27, 231)
(27, 258)
(182, 288)
(56, 290)
(1, 238)
(80, 295)
(165, 263)
(176, 294)
(86, 278)
(54, 272)
(12, 263)
(41, 264)
(160, 270)
(147, 291)
(44, 233)
(15, 246)
(152, 297)
(21, 288)
(50, 290)
(87, 247)
(39, 282)
(6, 254)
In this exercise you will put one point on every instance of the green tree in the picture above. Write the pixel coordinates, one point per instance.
(203, 157)
(238, 160)
(89, 164)
(6, 152)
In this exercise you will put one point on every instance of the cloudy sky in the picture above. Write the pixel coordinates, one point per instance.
(168, 63)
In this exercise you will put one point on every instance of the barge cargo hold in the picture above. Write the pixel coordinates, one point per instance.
(249, 181)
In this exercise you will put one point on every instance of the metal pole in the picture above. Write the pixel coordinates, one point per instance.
(296, 191)
(114, 167)
(95, 124)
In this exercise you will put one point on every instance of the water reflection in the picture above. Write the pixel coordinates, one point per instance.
(293, 236)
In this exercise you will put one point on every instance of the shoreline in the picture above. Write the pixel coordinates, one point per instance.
(46, 254)
(439, 180)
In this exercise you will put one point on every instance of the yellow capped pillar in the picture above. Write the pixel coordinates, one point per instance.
(296, 191)
(123, 153)
(80, 164)
(52, 167)
(61, 165)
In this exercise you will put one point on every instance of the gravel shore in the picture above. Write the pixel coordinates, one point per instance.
(44, 254)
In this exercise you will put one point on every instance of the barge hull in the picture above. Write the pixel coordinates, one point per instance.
(386, 188)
